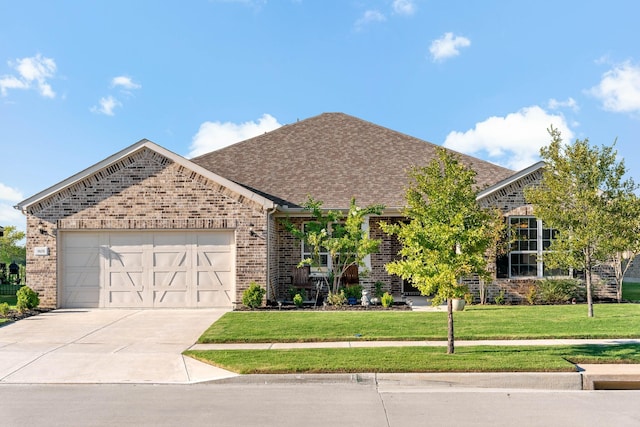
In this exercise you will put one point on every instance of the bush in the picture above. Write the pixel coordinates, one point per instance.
(252, 296)
(27, 299)
(353, 291)
(378, 289)
(532, 294)
(338, 299)
(386, 300)
(298, 300)
(499, 299)
(558, 291)
(4, 309)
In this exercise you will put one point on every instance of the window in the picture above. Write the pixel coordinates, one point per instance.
(529, 240)
(307, 252)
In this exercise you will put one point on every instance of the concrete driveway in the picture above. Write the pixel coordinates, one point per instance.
(106, 346)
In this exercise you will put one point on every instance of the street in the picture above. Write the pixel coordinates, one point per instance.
(309, 404)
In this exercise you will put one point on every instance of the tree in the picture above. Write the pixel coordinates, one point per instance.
(584, 197)
(448, 234)
(343, 238)
(624, 237)
(10, 249)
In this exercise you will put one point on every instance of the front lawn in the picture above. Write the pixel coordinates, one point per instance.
(475, 323)
(418, 359)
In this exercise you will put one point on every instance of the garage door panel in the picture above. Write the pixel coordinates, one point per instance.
(215, 260)
(126, 299)
(148, 269)
(214, 298)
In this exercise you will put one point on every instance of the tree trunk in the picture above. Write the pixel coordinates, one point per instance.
(450, 345)
(587, 278)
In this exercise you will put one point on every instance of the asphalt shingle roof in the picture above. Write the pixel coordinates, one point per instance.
(333, 157)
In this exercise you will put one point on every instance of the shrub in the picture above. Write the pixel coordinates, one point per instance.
(558, 291)
(378, 289)
(353, 291)
(27, 299)
(4, 309)
(338, 299)
(532, 294)
(252, 296)
(499, 299)
(298, 300)
(386, 300)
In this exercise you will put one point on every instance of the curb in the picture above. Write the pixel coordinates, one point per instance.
(498, 380)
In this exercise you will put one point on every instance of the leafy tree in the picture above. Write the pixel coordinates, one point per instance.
(448, 234)
(624, 237)
(343, 238)
(584, 196)
(10, 248)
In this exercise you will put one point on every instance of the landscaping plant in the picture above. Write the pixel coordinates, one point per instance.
(297, 300)
(448, 233)
(386, 300)
(252, 296)
(27, 299)
(585, 197)
(342, 237)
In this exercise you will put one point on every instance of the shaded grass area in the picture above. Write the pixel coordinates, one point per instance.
(631, 291)
(475, 323)
(418, 359)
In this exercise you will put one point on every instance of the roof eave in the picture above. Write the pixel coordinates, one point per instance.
(144, 143)
(510, 180)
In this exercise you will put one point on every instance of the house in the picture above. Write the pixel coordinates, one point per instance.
(146, 227)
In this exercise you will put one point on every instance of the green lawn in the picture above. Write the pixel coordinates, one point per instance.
(631, 291)
(476, 322)
(418, 359)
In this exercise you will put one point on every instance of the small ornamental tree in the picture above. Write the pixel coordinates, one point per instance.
(448, 234)
(583, 195)
(342, 237)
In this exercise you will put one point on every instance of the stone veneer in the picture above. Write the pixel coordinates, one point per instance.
(144, 191)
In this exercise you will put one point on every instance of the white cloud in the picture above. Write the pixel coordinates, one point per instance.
(124, 82)
(619, 89)
(10, 194)
(106, 106)
(404, 7)
(9, 215)
(513, 141)
(215, 135)
(33, 72)
(447, 46)
(369, 17)
(570, 103)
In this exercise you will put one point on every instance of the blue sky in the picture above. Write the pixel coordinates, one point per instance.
(81, 80)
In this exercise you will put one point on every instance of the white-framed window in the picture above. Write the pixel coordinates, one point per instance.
(307, 252)
(529, 240)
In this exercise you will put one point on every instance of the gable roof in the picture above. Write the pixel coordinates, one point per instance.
(333, 157)
(510, 180)
(123, 154)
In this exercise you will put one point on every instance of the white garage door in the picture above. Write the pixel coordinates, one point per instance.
(147, 269)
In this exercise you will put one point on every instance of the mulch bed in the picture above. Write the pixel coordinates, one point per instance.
(15, 315)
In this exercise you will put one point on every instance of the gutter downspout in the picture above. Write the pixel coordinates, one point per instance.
(268, 282)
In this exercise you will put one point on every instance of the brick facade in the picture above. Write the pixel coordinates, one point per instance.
(144, 191)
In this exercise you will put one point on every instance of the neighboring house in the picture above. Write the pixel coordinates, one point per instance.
(148, 228)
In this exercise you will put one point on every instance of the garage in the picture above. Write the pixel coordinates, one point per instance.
(147, 269)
